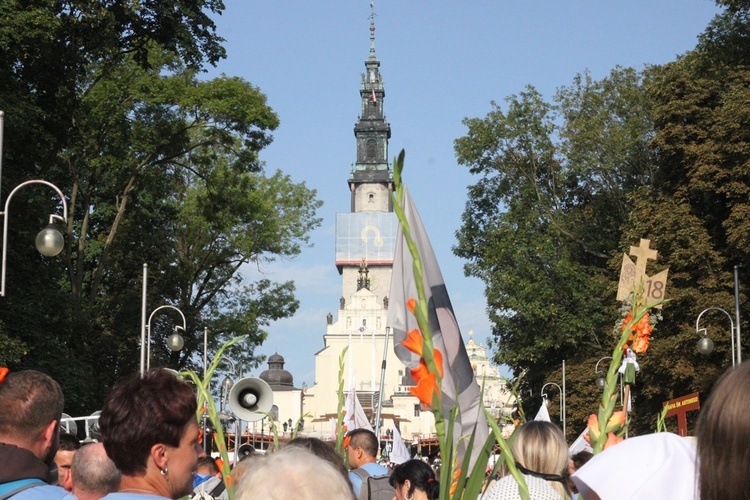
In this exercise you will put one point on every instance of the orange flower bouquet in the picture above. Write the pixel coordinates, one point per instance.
(607, 427)
(429, 376)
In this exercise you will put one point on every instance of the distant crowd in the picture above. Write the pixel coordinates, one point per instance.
(151, 449)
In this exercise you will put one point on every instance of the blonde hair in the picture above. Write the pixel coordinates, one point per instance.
(540, 447)
(292, 472)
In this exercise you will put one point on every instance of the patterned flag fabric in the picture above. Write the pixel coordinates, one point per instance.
(459, 385)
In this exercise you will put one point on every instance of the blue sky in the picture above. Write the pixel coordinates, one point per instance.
(441, 61)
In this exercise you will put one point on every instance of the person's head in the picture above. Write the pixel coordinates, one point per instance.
(68, 447)
(93, 474)
(37, 403)
(149, 429)
(322, 450)
(576, 462)
(293, 472)
(207, 466)
(363, 447)
(414, 477)
(723, 431)
(540, 449)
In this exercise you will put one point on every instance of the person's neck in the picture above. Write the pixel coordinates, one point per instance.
(367, 460)
(143, 485)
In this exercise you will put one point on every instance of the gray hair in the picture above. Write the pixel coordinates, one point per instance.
(93, 471)
(292, 472)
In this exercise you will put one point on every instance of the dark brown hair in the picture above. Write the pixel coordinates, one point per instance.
(723, 433)
(364, 439)
(142, 412)
(35, 399)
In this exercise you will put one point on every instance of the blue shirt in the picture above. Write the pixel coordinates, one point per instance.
(372, 468)
(44, 492)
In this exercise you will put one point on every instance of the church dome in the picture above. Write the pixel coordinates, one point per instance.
(276, 358)
(276, 376)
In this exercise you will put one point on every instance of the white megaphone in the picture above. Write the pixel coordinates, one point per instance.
(250, 399)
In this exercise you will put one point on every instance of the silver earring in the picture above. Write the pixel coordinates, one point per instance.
(164, 471)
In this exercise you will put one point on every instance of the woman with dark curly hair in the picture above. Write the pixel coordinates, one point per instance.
(414, 480)
(150, 431)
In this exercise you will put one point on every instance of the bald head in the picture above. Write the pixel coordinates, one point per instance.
(94, 474)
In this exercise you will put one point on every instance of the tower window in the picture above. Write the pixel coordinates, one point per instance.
(371, 149)
(371, 198)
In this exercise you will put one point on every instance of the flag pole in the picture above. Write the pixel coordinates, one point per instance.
(382, 382)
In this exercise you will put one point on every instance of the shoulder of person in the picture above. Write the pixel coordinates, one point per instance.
(43, 492)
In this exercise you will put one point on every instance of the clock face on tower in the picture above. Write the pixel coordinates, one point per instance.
(373, 283)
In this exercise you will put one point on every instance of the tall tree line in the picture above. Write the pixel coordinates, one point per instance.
(566, 187)
(105, 99)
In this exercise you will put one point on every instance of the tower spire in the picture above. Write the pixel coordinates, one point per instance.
(372, 29)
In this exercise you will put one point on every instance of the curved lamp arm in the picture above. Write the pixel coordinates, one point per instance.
(148, 328)
(704, 332)
(550, 383)
(5, 214)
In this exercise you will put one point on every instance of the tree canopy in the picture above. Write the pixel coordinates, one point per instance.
(158, 166)
(566, 187)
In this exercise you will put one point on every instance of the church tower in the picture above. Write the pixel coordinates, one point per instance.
(365, 247)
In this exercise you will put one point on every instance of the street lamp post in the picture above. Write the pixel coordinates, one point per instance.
(602, 380)
(49, 241)
(175, 341)
(562, 402)
(226, 386)
(706, 345)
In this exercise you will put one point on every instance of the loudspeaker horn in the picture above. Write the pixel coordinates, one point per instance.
(250, 399)
(245, 450)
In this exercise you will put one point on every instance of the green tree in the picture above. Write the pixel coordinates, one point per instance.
(159, 167)
(566, 189)
(544, 220)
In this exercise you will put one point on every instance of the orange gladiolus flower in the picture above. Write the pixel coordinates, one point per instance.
(421, 371)
(643, 332)
(454, 485)
(615, 421)
(413, 342)
(612, 440)
(425, 389)
(438, 361)
(3, 372)
(411, 304)
(346, 441)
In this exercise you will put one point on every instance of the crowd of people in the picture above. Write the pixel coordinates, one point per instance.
(150, 449)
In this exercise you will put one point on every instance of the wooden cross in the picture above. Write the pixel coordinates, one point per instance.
(642, 255)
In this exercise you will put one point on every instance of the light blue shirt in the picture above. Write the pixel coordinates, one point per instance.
(131, 496)
(44, 492)
(372, 468)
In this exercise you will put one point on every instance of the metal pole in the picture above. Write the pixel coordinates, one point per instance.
(2, 126)
(205, 351)
(737, 313)
(382, 383)
(563, 401)
(143, 320)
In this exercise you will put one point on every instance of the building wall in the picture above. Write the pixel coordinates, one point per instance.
(371, 198)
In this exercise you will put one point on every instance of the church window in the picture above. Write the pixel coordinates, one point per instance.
(416, 410)
(371, 149)
(371, 198)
